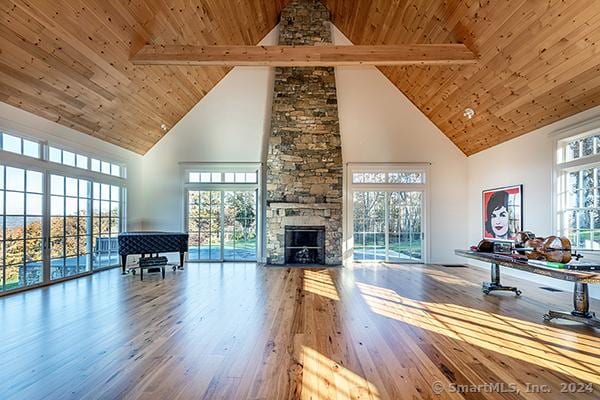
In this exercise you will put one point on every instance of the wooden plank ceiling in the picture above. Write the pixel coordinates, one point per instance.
(539, 60)
(68, 60)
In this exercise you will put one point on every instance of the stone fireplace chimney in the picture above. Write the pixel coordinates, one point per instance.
(304, 161)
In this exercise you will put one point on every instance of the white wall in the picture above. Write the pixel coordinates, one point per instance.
(228, 125)
(527, 160)
(379, 124)
(26, 124)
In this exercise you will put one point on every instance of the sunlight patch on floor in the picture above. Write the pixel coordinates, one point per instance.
(323, 378)
(448, 279)
(320, 283)
(557, 349)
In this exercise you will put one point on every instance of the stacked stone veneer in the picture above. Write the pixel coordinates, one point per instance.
(304, 161)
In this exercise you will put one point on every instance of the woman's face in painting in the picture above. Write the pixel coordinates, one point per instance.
(499, 219)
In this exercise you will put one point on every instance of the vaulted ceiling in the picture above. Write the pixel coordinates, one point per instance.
(68, 60)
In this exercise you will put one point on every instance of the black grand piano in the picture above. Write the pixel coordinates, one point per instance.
(152, 242)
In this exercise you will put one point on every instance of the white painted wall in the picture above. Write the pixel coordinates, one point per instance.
(228, 125)
(26, 124)
(379, 124)
(527, 160)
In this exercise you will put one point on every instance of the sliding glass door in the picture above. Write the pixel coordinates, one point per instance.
(388, 226)
(369, 225)
(239, 225)
(222, 225)
(387, 204)
(70, 226)
(106, 225)
(405, 226)
(204, 225)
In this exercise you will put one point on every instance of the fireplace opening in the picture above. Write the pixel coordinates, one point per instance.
(305, 245)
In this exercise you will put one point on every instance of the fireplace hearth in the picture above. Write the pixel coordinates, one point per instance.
(305, 245)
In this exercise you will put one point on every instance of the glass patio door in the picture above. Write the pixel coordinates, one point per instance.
(405, 226)
(239, 225)
(21, 227)
(204, 225)
(369, 226)
(70, 226)
(388, 226)
(222, 225)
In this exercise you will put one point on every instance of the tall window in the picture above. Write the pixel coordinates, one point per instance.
(221, 213)
(387, 206)
(578, 190)
(56, 220)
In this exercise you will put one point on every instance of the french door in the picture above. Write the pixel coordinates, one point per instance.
(222, 225)
(388, 225)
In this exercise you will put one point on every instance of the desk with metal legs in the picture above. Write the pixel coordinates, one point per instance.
(581, 279)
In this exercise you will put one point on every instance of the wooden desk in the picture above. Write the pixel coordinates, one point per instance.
(581, 279)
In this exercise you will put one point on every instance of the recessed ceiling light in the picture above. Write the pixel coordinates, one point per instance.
(163, 127)
(469, 113)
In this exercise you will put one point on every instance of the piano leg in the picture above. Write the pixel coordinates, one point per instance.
(181, 258)
(495, 284)
(124, 264)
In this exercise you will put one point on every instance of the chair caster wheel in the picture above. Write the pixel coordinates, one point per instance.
(518, 293)
(486, 292)
(547, 317)
(174, 269)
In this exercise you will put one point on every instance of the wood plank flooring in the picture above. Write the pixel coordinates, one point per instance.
(241, 331)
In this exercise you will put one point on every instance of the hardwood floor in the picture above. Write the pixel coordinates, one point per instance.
(240, 331)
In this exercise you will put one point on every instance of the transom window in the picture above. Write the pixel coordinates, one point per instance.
(582, 147)
(12, 143)
(391, 177)
(72, 159)
(222, 177)
(19, 145)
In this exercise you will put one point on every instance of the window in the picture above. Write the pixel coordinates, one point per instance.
(42, 206)
(388, 177)
(221, 213)
(18, 145)
(55, 155)
(578, 190)
(222, 177)
(582, 147)
(21, 199)
(82, 161)
(31, 148)
(72, 159)
(387, 218)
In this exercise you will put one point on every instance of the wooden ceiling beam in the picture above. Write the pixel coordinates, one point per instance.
(304, 56)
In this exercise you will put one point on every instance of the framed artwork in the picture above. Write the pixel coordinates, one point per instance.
(502, 212)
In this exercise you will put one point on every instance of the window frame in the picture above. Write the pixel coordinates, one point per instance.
(246, 167)
(424, 187)
(48, 168)
(562, 168)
